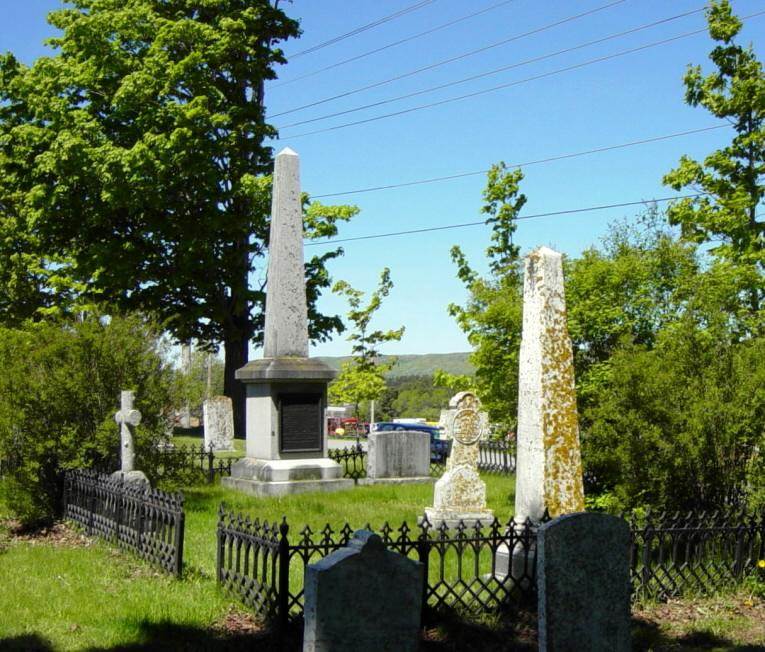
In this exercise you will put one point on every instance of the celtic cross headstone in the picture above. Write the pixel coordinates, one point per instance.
(128, 418)
(460, 494)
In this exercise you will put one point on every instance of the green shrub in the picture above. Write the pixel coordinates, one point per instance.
(59, 391)
(679, 426)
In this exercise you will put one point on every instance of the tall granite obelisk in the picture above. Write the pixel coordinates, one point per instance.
(286, 390)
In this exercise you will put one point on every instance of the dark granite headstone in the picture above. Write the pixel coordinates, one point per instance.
(301, 426)
(584, 584)
(363, 597)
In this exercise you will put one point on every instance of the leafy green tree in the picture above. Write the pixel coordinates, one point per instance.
(731, 178)
(453, 382)
(492, 315)
(624, 292)
(59, 391)
(363, 377)
(136, 154)
(418, 396)
(192, 388)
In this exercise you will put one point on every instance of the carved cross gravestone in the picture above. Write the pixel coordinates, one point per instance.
(128, 418)
(460, 494)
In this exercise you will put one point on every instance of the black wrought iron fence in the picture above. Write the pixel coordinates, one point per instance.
(146, 521)
(468, 567)
(260, 563)
(672, 554)
(190, 463)
(353, 459)
(493, 457)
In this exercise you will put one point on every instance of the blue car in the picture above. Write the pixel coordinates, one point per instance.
(439, 448)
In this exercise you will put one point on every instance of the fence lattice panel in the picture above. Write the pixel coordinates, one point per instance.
(258, 562)
(148, 522)
(693, 552)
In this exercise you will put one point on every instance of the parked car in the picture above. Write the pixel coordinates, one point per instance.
(439, 448)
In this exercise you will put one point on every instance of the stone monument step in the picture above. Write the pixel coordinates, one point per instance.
(319, 468)
(415, 480)
(267, 489)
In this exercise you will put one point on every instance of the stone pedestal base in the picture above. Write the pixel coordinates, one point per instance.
(132, 477)
(452, 519)
(282, 477)
(517, 563)
(416, 480)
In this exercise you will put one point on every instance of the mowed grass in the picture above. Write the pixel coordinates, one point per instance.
(359, 506)
(71, 593)
(64, 591)
(66, 596)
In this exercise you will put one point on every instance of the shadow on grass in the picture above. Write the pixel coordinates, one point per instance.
(647, 635)
(27, 642)
(169, 636)
(513, 633)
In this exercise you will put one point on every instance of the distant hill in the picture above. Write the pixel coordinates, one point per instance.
(419, 365)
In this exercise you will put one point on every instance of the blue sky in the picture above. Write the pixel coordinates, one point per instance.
(624, 99)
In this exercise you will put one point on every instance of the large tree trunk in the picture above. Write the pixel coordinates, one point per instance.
(235, 358)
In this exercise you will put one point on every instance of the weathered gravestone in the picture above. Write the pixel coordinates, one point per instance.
(583, 581)
(446, 419)
(128, 418)
(219, 423)
(363, 597)
(460, 494)
(398, 457)
(548, 464)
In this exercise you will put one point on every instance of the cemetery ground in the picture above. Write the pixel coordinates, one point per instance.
(65, 591)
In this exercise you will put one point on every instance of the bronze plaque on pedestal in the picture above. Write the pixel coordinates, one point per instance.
(301, 423)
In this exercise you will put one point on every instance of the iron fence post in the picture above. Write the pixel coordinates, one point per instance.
(141, 517)
(67, 476)
(645, 572)
(180, 526)
(423, 553)
(91, 508)
(118, 515)
(284, 578)
(219, 555)
(210, 465)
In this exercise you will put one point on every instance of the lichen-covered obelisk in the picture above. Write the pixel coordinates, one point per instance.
(549, 465)
(286, 390)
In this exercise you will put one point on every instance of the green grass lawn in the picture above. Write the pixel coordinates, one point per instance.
(65, 592)
(374, 504)
(75, 595)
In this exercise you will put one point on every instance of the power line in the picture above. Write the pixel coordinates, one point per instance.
(509, 84)
(522, 217)
(363, 28)
(480, 75)
(443, 62)
(549, 159)
(393, 44)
